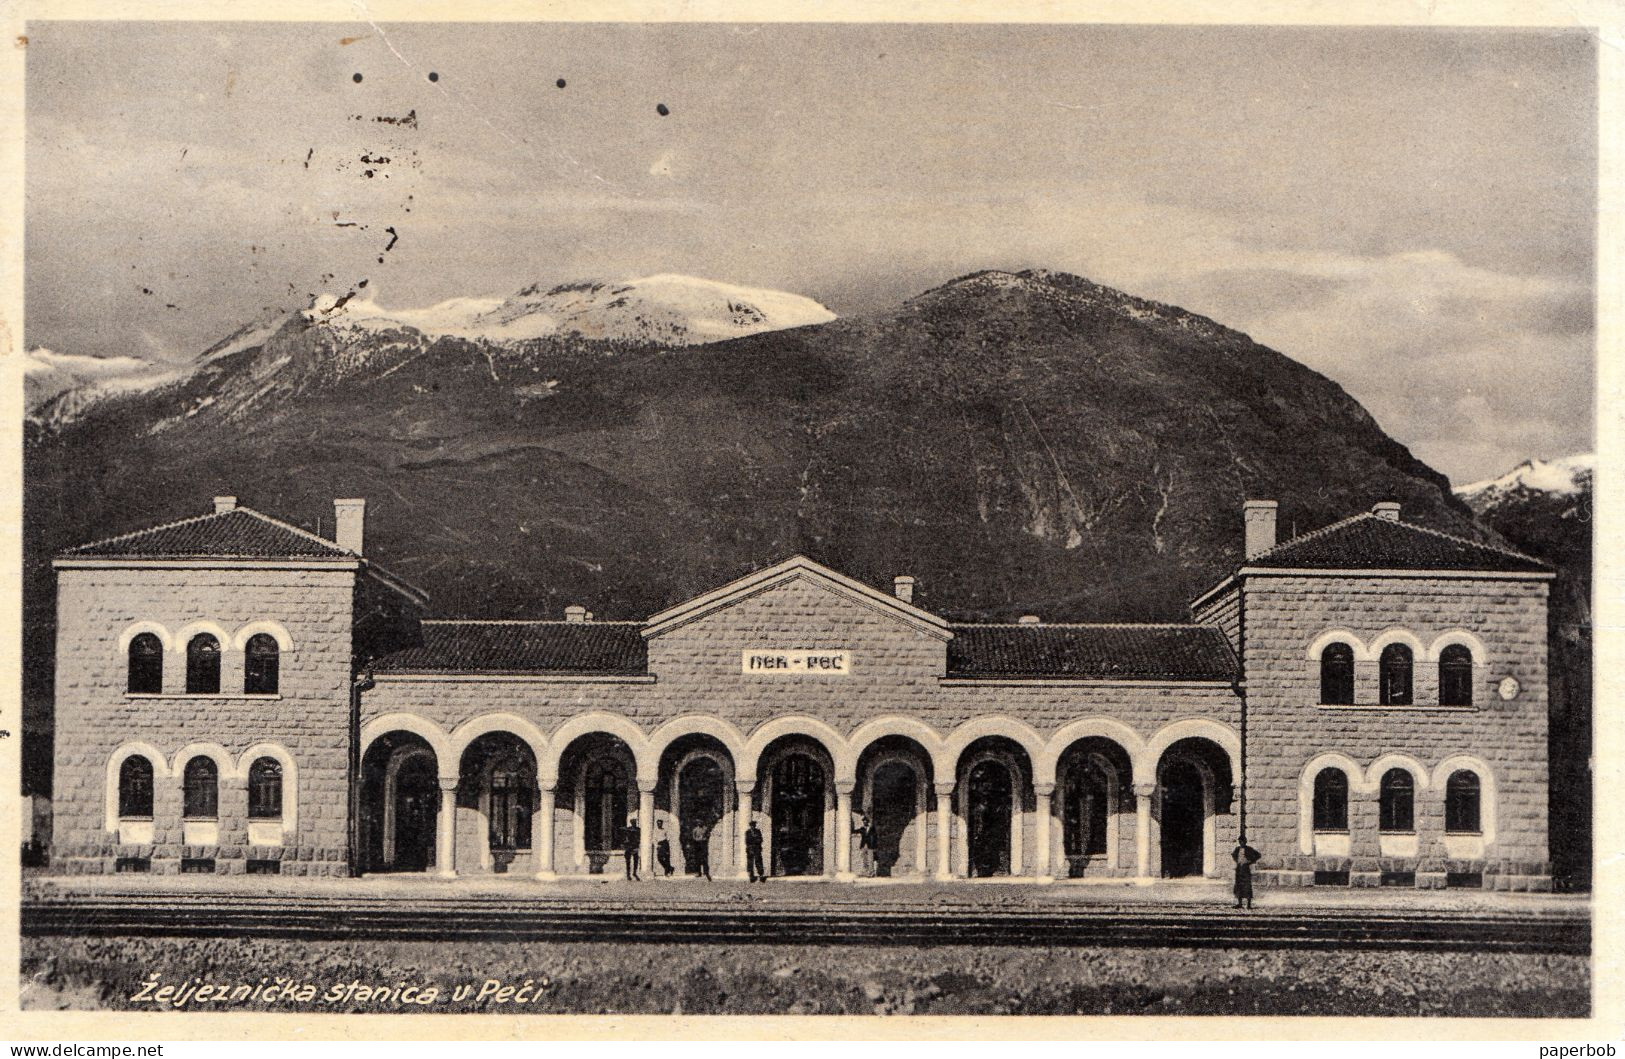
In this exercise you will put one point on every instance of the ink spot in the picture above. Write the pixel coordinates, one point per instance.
(662, 109)
(560, 82)
(356, 79)
(367, 173)
(433, 76)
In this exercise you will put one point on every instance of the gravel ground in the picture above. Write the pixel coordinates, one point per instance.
(586, 978)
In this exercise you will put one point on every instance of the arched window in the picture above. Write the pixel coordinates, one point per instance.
(606, 805)
(1395, 672)
(146, 665)
(203, 665)
(1461, 803)
(261, 665)
(1397, 801)
(1337, 675)
(1456, 676)
(201, 783)
(1331, 800)
(265, 789)
(135, 787)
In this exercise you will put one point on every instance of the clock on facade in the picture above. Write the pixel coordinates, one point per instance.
(1508, 688)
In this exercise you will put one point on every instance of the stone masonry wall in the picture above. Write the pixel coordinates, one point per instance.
(1287, 726)
(308, 717)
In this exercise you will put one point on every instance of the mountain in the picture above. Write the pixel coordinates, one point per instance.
(1544, 507)
(350, 332)
(60, 387)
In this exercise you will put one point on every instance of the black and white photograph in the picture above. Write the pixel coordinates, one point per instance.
(807, 518)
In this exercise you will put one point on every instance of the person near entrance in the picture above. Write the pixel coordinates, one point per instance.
(866, 846)
(701, 864)
(753, 853)
(662, 848)
(631, 842)
(1245, 857)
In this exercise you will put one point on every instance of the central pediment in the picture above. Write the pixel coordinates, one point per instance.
(791, 577)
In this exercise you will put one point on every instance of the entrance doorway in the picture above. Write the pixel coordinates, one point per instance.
(798, 816)
(989, 819)
(699, 807)
(892, 809)
(417, 801)
(1183, 816)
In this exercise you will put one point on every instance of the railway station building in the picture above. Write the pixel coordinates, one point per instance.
(1367, 702)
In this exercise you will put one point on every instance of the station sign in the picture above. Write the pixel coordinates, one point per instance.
(795, 663)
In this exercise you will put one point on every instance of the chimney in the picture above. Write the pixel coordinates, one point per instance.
(222, 504)
(903, 588)
(1258, 516)
(1028, 619)
(1388, 509)
(349, 524)
(575, 614)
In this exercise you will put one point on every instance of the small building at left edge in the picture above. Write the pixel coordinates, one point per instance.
(1366, 703)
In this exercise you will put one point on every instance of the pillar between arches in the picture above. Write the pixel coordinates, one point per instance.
(646, 827)
(544, 835)
(1143, 793)
(446, 841)
(1043, 794)
(843, 830)
(945, 825)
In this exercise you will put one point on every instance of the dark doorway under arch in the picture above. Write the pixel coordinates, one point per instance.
(1183, 815)
(798, 816)
(989, 819)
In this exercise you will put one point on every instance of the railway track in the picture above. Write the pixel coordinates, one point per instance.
(510, 919)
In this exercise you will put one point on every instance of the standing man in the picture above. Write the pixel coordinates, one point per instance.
(1245, 857)
(662, 848)
(866, 846)
(702, 850)
(753, 853)
(631, 842)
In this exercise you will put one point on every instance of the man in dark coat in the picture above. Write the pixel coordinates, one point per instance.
(753, 853)
(631, 842)
(701, 864)
(1245, 857)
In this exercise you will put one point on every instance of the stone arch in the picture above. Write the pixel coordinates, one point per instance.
(872, 731)
(290, 779)
(274, 629)
(486, 724)
(1457, 636)
(160, 772)
(193, 628)
(981, 727)
(1306, 791)
(1393, 636)
(1145, 764)
(1331, 636)
(811, 727)
(135, 629)
(690, 724)
(1486, 788)
(446, 762)
(223, 763)
(587, 724)
(1046, 766)
(1418, 771)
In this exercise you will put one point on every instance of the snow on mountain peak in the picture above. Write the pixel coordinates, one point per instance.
(665, 308)
(1561, 477)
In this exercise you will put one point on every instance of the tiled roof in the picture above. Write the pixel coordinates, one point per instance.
(1099, 652)
(562, 648)
(241, 533)
(1371, 542)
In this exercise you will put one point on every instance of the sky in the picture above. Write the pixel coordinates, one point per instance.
(1409, 211)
